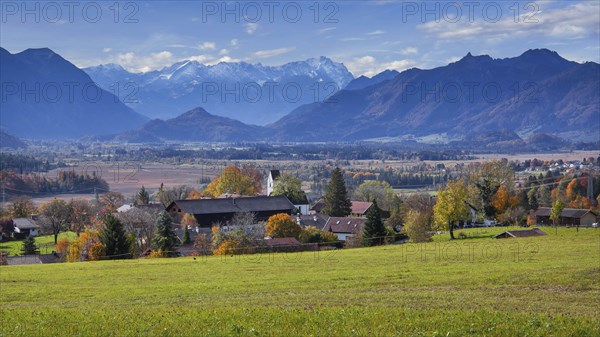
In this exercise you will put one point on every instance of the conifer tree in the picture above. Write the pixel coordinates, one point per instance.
(164, 239)
(374, 232)
(114, 239)
(337, 202)
(186, 236)
(29, 247)
(142, 197)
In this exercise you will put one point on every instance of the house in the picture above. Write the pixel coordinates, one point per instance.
(520, 233)
(316, 220)
(568, 217)
(211, 211)
(318, 207)
(302, 204)
(33, 259)
(273, 175)
(360, 208)
(25, 227)
(125, 208)
(289, 244)
(344, 227)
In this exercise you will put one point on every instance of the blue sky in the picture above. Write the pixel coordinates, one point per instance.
(367, 36)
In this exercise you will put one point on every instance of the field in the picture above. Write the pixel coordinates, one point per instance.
(476, 286)
(45, 244)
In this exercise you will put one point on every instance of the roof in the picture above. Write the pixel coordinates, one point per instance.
(33, 259)
(566, 212)
(275, 174)
(25, 223)
(124, 208)
(316, 220)
(345, 225)
(360, 207)
(234, 205)
(521, 233)
(151, 207)
(282, 242)
(318, 206)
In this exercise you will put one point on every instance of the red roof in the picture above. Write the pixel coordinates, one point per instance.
(345, 225)
(360, 207)
(282, 242)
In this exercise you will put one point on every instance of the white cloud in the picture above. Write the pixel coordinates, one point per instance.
(369, 66)
(224, 52)
(207, 46)
(273, 52)
(226, 59)
(573, 21)
(201, 58)
(409, 51)
(376, 32)
(325, 30)
(353, 39)
(251, 27)
(234, 42)
(107, 50)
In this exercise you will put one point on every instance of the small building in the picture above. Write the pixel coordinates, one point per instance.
(33, 259)
(344, 227)
(125, 208)
(520, 233)
(289, 244)
(360, 208)
(273, 175)
(211, 211)
(25, 227)
(318, 207)
(570, 217)
(315, 220)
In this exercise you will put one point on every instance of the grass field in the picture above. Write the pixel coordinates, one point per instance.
(541, 286)
(45, 243)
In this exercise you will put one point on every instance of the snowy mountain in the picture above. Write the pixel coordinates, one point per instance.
(251, 93)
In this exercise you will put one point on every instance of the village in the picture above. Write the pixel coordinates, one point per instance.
(245, 211)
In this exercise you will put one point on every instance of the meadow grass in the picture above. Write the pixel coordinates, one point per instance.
(539, 286)
(45, 243)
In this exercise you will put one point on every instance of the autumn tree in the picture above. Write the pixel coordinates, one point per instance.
(58, 214)
(141, 223)
(291, 187)
(22, 207)
(374, 232)
(488, 178)
(114, 239)
(142, 197)
(336, 199)
(451, 206)
(282, 225)
(111, 200)
(81, 212)
(418, 226)
(165, 240)
(189, 220)
(29, 247)
(256, 176)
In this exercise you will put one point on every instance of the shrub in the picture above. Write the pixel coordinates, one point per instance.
(228, 247)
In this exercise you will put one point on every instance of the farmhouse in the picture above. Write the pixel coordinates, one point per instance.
(568, 217)
(210, 211)
(344, 227)
(25, 227)
(520, 234)
(360, 208)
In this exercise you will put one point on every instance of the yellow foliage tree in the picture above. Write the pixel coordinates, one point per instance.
(282, 225)
(451, 206)
(228, 247)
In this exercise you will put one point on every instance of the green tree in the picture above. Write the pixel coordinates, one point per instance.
(556, 210)
(291, 187)
(114, 238)
(544, 197)
(374, 232)
(375, 190)
(451, 206)
(532, 200)
(336, 199)
(186, 236)
(29, 247)
(142, 197)
(164, 239)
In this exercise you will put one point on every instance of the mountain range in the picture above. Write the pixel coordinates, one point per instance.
(45, 96)
(251, 93)
(535, 97)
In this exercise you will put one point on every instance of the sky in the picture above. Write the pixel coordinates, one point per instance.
(367, 36)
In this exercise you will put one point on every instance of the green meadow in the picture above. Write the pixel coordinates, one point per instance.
(478, 286)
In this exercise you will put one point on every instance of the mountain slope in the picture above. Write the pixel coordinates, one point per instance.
(536, 92)
(195, 125)
(251, 93)
(48, 97)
